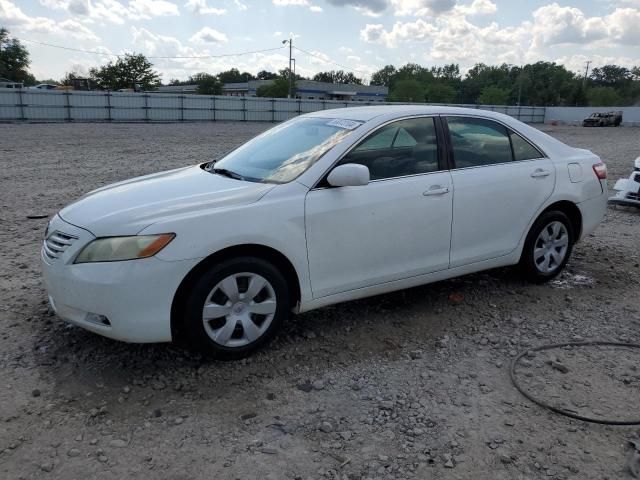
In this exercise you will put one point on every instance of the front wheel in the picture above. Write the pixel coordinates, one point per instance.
(548, 247)
(236, 307)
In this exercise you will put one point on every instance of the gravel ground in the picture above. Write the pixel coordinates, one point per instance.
(412, 384)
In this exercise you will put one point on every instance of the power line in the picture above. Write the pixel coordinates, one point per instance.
(330, 61)
(151, 56)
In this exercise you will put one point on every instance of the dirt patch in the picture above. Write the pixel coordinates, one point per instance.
(412, 384)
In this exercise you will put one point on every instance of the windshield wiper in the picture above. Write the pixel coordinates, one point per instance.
(227, 173)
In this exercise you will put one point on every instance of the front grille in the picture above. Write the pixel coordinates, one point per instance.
(633, 196)
(56, 244)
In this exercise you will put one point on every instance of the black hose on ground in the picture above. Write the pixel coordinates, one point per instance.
(561, 411)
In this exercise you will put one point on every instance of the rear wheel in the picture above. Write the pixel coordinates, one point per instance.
(236, 307)
(548, 247)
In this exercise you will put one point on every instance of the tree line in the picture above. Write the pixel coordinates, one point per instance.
(540, 83)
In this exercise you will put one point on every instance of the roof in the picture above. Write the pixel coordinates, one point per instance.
(366, 114)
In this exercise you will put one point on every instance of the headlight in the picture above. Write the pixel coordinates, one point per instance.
(114, 249)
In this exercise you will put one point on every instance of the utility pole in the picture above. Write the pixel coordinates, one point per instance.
(586, 71)
(290, 41)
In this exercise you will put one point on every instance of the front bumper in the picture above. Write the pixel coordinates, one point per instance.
(128, 301)
(628, 191)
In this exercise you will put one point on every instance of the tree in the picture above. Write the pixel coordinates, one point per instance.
(14, 59)
(265, 75)
(131, 71)
(603, 97)
(384, 76)
(234, 76)
(337, 76)
(407, 91)
(494, 96)
(440, 93)
(278, 89)
(206, 84)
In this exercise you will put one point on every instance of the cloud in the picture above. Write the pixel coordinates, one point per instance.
(371, 8)
(453, 37)
(201, 7)
(208, 35)
(297, 3)
(12, 16)
(241, 6)
(151, 8)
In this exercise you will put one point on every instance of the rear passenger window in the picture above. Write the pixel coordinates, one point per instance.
(523, 150)
(478, 142)
(405, 147)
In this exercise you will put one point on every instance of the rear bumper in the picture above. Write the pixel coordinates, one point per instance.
(593, 211)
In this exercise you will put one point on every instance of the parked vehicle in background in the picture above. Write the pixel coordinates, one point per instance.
(44, 86)
(628, 189)
(327, 207)
(606, 119)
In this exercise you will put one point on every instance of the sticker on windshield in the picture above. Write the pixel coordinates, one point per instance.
(348, 124)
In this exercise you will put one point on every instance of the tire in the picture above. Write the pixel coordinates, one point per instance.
(538, 262)
(231, 324)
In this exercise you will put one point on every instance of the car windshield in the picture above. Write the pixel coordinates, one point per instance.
(283, 153)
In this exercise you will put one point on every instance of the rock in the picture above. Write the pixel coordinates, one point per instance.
(36, 393)
(269, 451)
(305, 387)
(248, 416)
(157, 413)
(318, 385)
(178, 421)
(415, 354)
(449, 464)
(126, 389)
(346, 435)
(326, 427)
(505, 459)
(558, 366)
(118, 443)
(46, 467)
(74, 452)
(102, 458)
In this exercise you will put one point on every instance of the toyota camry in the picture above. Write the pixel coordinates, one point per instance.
(327, 207)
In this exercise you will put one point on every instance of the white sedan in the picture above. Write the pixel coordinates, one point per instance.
(327, 207)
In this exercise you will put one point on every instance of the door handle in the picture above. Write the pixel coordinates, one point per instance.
(540, 173)
(436, 190)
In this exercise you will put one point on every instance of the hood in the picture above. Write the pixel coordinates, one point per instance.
(126, 208)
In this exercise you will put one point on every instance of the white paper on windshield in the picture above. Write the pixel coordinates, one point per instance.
(340, 123)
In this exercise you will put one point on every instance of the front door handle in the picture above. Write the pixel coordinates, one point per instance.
(436, 190)
(540, 173)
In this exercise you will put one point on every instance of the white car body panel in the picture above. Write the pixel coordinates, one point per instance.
(384, 231)
(343, 243)
(493, 205)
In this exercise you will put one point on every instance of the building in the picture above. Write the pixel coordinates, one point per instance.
(6, 83)
(312, 90)
(183, 89)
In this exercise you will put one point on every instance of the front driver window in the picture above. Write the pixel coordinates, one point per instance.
(405, 147)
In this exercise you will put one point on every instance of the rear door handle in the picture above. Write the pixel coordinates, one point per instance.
(540, 173)
(436, 190)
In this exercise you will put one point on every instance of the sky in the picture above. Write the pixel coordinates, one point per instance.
(361, 35)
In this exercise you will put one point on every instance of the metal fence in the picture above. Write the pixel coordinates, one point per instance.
(73, 106)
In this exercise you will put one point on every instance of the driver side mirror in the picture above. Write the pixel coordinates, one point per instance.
(349, 175)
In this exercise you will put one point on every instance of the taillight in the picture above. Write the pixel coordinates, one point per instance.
(600, 169)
